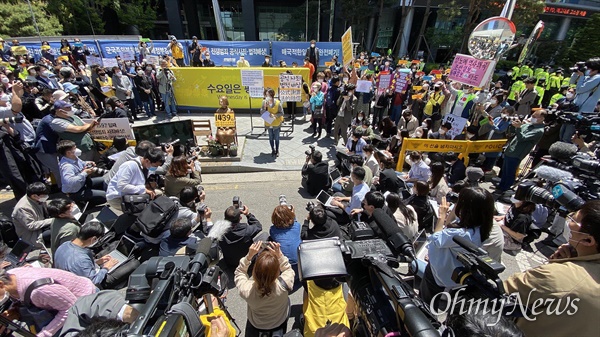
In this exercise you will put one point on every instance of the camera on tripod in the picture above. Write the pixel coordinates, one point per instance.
(96, 170)
(11, 120)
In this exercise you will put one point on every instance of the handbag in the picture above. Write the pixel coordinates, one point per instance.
(318, 113)
(134, 204)
(35, 318)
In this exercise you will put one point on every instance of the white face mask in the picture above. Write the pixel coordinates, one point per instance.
(360, 118)
(82, 67)
(77, 152)
(312, 45)
(76, 213)
(424, 125)
(140, 72)
(494, 101)
(118, 73)
(4, 98)
(418, 134)
(70, 113)
(5, 80)
(534, 120)
(470, 135)
(570, 95)
(504, 115)
(442, 132)
(43, 198)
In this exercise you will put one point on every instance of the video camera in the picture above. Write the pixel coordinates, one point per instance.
(579, 66)
(585, 124)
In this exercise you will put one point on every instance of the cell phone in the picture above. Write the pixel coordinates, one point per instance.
(99, 119)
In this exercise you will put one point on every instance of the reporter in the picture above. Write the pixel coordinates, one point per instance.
(64, 227)
(286, 231)
(323, 226)
(315, 174)
(571, 274)
(77, 182)
(266, 292)
(30, 216)
(181, 174)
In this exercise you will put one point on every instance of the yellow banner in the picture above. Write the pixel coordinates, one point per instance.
(202, 87)
(486, 146)
(347, 50)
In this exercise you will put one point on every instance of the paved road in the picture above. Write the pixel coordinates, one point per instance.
(260, 192)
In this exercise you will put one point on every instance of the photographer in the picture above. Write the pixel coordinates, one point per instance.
(315, 175)
(587, 80)
(165, 78)
(115, 108)
(572, 273)
(192, 207)
(75, 175)
(323, 227)
(237, 240)
(180, 237)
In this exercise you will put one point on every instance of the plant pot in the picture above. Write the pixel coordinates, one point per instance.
(233, 152)
(214, 151)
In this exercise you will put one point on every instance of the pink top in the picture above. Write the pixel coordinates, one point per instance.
(60, 296)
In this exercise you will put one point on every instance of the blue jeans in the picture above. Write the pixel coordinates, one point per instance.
(169, 104)
(149, 108)
(274, 138)
(509, 172)
(395, 115)
(337, 187)
(566, 132)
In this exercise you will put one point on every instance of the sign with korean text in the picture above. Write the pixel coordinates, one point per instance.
(109, 62)
(225, 120)
(127, 55)
(471, 71)
(384, 81)
(458, 124)
(93, 60)
(400, 82)
(153, 59)
(252, 78)
(563, 11)
(110, 128)
(363, 86)
(347, 49)
(296, 51)
(290, 88)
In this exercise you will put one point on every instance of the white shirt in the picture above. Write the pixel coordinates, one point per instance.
(129, 180)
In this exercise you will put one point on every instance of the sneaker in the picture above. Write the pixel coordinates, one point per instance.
(277, 154)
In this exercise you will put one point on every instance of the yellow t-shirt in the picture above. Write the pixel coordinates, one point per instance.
(274, 111)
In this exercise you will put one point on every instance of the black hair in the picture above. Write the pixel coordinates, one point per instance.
(357, 159)
(416, 155)
(357, 133)
(368, 148)
(120, 143)
(593, 63)
(181, 228)
(58, 206)
(450, 156)
(105, 327)
(359, 173)
(393, 201)
(317, 156)
(475, 208)
(375, 199)
(350, 86)
(65, 145)
(143, 147)
(590, 220)
(155, 155)
(317, 215)
(188, 194)
(232, 214)
(437, 173)
(37, 188)
(113, 101)
(422, 188)
(335, 80)
(459, 185)
(91, 229)
(479, 325)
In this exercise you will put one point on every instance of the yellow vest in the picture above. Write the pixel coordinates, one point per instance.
(322, 306)
(107, 83)
(274, 111)
(176, 51)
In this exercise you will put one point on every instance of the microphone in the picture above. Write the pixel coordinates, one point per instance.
(563, 152)
(399, 242)
(552, 174)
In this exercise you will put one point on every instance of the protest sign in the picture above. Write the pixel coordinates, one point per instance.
(290, 88)
(109, 62)
(471, 71)
(458, 124)
(363, 86)
(384, 81)
(347, 48)
(93, 60)
(127, 55)
(110, 128)
(252, 78)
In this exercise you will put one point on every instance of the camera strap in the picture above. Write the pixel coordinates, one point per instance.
(196, 329)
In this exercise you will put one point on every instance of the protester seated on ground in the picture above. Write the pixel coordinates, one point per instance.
(131, 177)
(405, 215)
(419, 171)
(370, 160)
(64, 227)
(236, 242)
(342, 206)
(419, 201)
(367, 131)
(181, 174)
(108, 304)
(76, 176)
(408, 122)
(30, 216)
(442, 133)
(388, 180)
(266, 292)
(474, 175)
(357, 121)
(56, 298)
(322, 226)
(286, 231)
(345, 185)
(423, 130)
(76, 257)
(180, 237)
(315, 174)
(456, 168)
(438, 187)
(515, 223)
(108, 157)
(475, 209)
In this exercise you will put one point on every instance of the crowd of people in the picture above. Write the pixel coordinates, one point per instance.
(74, 254)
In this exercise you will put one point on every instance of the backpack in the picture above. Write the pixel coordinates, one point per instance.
(35, 318)
(7, 231)
(155, 217)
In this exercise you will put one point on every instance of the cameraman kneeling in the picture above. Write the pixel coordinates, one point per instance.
(315, 175)
(572, 276)
(75, 176)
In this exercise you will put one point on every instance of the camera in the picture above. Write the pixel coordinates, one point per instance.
(201, 208)
(579, 66)
(11, 120)
(452, 197)
(237, 202)
(163, 146)
(96, 170)
(587, 164)
(311, 151)
(309, 206)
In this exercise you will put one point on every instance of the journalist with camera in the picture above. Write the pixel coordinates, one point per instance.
(572, 274)
(238, 239)
(315, 173)
(587, 80)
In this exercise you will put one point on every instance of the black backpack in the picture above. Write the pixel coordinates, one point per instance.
(7, 231)
(155, 217)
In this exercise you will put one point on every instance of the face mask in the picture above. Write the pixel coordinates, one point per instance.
(534, 120)
(77, 152)
(82, 67)
(509, 73)
(442, 132)
(312, 45)
(208, 57)
(118, 73)
(470, 135)
(587, 72)
(152, 169)
(320, 80)
(494, 101)
(267, 60)
(76, 212)
(570, 95)
(504, 115)
(5, 80)
(48, 73)
(4, 98)
(423, 125)
(418, 134)
(140, 73)
(70, 113)
(13, 63)
(127, 63)
(43, 198)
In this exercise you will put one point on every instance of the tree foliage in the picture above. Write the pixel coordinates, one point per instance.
(76, 15)
(138, 13)
(586, 43)
(17, 19)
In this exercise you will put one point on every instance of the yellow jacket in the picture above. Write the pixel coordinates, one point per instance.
(573, 282)
(435, 98)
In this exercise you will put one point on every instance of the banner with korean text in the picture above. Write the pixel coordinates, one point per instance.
(35, 48)
(471, 71)
(296, 51)
(227, 53)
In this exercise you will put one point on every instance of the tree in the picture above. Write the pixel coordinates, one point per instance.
(586, 43)
(138, 13)
(17, 19)
(76, 15)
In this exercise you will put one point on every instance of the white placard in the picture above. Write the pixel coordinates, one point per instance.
(127, 55)
(153, 59)
(109, 62)
(458, 124)
(363, 86)
(290, 88)
(110, 128)
(93, 60)
(252, 78)
(290, 95)
(257, 92)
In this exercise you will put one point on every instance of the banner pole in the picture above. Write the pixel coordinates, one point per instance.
(402, 154)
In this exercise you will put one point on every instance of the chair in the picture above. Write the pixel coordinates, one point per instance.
(201, 128)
